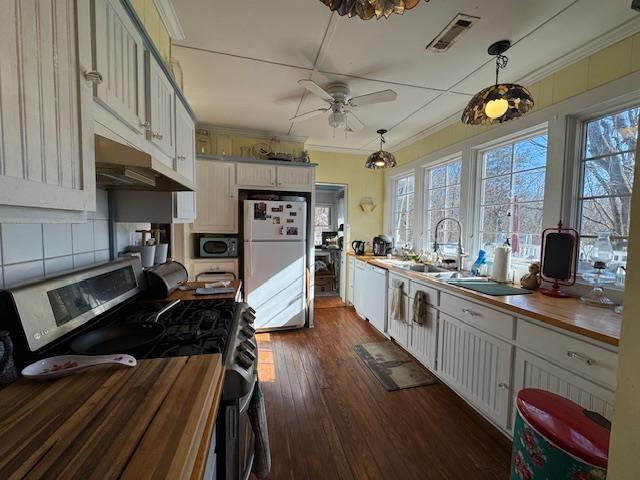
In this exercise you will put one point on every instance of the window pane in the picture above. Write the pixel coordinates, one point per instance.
(609, 175)
(496, 190)
(620, 249)
(453, 196)
(497, 161)
(527, 218)
(410, 203)
(401, 186)
(436, 198)
(453, 172)
(612, 134)
(530, 153)
(410, 184)
(494, 219)
(323, 216)
(606, 215)
(529, 186)
(438, 177)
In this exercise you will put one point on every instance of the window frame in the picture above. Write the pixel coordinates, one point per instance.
(576, 188)
(478, 164)
(411, 226)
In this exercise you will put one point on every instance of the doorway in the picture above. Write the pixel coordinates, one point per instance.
(330, 226)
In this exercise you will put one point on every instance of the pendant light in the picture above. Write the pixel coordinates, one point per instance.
(381, 159)
(367, 9)
(500, 102)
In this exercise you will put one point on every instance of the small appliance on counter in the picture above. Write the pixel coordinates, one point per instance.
(217, 246)
(165, 278)
(358, 247)
(382, 245)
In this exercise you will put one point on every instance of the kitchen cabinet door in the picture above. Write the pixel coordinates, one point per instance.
(477, 366)
(532, 371)
(255, 175)
(119, 60)
(300, 178)
(399, 330)
(424, 338)
(216, 200)
(46, 117)
(359, 287)
(162, 112)
(185, 143)
(351, 280)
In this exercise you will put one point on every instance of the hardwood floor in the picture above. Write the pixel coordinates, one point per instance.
(333, 301)
(330, 418)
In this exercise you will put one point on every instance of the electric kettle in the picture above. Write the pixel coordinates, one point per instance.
(358, 247)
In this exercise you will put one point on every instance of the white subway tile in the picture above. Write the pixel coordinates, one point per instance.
(102, 205)
(21, 242)
(57, 265)
(102, 256)
(101, 234)
(82, 237)
(22, 272)
(57, 239)
(83, 259)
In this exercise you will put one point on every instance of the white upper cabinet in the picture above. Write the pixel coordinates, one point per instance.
(161, 109)
(217, 202)
(46, 124)
(119, 62)
(185, 143)
(295, 177)
(254, 174)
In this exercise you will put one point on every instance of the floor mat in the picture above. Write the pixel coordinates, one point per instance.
(392, 366)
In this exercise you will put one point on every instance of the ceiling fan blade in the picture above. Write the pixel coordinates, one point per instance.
(353, 122)
(304, 116)
(316, 89)
(376, 97)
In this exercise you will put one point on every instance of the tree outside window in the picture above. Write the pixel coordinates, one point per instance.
(442, 200)
(403, 206)
(607, 165)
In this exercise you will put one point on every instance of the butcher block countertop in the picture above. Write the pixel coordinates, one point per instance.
(189, 295)
(570, 314)
(154, 420)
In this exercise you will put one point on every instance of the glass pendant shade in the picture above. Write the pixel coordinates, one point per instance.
(381, 159)
(367, 9)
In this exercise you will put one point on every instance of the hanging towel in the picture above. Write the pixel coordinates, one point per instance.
(420, 308)
(397, 302)
(258, 418)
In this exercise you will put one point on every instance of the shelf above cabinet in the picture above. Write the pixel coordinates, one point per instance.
(229, 158)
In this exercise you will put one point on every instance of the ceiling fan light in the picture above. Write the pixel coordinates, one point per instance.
(337, 119)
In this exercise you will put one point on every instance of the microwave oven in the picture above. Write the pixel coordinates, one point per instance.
(217, 246)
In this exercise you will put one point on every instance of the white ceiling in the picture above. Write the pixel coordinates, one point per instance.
(241, 60)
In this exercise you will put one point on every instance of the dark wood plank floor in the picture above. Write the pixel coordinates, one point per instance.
(332, 301)
(330, 418)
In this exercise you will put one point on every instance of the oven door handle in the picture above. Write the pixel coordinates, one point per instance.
(246, 400)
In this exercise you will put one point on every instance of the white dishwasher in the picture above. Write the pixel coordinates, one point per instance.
(375, 298)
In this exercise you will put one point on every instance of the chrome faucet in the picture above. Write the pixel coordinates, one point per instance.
(436, 245)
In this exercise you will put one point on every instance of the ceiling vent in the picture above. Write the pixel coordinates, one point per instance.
(447, 37)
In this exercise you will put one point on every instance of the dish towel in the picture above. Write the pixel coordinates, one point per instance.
(420, 308)
(258, 418)
(397, 303)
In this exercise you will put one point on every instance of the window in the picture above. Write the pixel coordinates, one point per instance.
(441, 200)
(322, 222)
(512, 195)
(604, 202)
(403, 210)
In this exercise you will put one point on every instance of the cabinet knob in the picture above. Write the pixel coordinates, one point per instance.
(146, 125)
(93, 76)
(157, 135)
(181, 157)
(503, 386)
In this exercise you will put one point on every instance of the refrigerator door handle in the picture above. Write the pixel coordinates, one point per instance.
(249, 260)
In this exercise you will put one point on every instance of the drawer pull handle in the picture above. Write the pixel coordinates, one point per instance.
(582, 358)
(93, 76)
(503, 386)
(471, 313)
(181, 157)
(158, 135)
(146, 125)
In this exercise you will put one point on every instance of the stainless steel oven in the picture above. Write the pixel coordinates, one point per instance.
(217, 246)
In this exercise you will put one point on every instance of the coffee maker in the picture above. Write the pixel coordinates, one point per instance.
(382, 245)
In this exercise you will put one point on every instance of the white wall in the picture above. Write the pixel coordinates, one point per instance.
(30, 251)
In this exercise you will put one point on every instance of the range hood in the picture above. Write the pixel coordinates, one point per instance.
(123, 167)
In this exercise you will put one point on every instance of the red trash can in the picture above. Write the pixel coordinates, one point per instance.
(557, 439)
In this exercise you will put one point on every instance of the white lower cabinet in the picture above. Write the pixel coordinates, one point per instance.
(399, 330)
(423, 340)
(478, 366)
(359, 290)
(351, 273)
(532, 371)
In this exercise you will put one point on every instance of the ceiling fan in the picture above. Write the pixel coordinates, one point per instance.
(341, 104)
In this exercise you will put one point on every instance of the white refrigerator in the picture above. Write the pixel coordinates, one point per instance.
(275, 235)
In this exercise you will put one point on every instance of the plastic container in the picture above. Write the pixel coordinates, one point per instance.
(555, 438)
(477, 265)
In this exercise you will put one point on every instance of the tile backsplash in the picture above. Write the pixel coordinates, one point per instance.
(30, 251)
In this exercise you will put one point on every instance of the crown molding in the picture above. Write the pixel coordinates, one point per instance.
(170, 19)
(593, 46)
(329, 149)
(241, 132)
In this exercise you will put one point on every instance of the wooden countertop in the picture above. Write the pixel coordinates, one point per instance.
(570, 314)
(190, 295)
(154, 420)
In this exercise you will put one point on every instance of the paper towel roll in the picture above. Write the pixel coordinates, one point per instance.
(501, 264)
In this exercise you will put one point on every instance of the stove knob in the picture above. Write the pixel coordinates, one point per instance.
(251, 311)
(248, 352)
(248, 344)
(249, 317)
(248, 331)
(244, 361)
